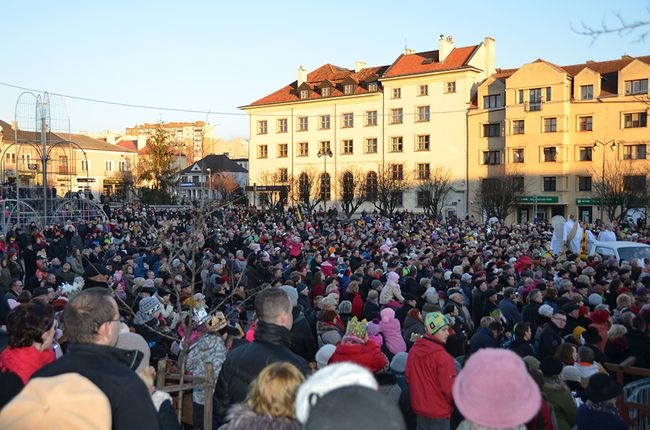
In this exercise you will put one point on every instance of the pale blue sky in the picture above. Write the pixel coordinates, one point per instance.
(216, 56)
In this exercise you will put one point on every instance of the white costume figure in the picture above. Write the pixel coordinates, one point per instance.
(572, 234)
(607, 235)
(557, 244)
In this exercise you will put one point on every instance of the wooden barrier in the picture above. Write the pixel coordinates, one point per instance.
(624, 406)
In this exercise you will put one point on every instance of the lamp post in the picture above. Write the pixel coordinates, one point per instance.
(325, 152)
(612, 146)
(208, 179)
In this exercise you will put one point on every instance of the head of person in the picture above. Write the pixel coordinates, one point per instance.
(436, 324)
(586, 354)
(523, 331)
(273, 306)
(567, 353)
(31, 324)
(16, 286)
(559, 319)
(92, 316)
(274, 391)
(535, 295)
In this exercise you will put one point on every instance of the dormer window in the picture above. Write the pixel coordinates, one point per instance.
(348, 89)
(326, 91)
(304, 94)
(373, 87)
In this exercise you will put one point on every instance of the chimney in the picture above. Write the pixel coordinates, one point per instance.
(359, 65)
(490, 56)
(445, 46)
(302, 75)
(409, 51)
(226, 154)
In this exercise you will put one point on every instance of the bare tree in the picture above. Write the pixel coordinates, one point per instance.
(638, 29)
(498, 195)
(388, 192)
(622, 186)
(306, 190)
(276, 197)
(351, 186)
(434, 190)
(225, 184)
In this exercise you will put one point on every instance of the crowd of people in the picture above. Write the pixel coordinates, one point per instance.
(311, 321)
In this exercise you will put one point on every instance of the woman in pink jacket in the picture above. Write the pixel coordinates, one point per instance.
(391, 329)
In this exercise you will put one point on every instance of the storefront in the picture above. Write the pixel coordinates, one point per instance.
(538, 208)
(585, 209)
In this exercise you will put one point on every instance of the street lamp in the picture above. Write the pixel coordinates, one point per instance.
(209, 186)
(325, 152)
(612, 146)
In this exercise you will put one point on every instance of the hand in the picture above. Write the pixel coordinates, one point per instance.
(148, 376)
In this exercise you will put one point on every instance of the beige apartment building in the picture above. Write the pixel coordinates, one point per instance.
(408, 117)
(193, 136)
(556, 127)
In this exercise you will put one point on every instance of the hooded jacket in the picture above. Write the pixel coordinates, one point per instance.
(390, 328)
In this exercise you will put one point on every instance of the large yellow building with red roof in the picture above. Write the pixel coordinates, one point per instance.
(407, 117)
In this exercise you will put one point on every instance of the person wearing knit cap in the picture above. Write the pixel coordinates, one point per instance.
(430, 374)
(557, 393)
(600, 411)
(514, 396)
(355, 348)
(324, 354)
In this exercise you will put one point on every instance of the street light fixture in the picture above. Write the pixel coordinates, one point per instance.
(209, 185)
(325, 152)
(612, 146)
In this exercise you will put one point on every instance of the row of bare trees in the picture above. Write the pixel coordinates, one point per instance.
(383, 188)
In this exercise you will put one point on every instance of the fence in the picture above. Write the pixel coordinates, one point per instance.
(634, 404)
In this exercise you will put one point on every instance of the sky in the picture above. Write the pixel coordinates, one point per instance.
(213, 57)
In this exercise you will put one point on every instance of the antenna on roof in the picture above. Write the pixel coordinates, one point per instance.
(406, 45)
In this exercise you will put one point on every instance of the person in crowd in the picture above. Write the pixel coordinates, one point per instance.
(327, 329)
(530, 312)
(390, 329)
(302, 340)
(371, 307)
(599, 412)
(270, 402)
(356, 348)
(558, 393)
(522, 336)
(551, 336)
(272, 343)
(567, 353)
(586, 364)
(617, 348)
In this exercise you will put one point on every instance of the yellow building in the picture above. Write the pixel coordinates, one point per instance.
(408, 117)
(555, 127)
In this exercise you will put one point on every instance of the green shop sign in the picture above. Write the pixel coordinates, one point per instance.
(538, 199)
(587, 202)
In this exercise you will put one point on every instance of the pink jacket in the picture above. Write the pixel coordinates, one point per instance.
(391, 329)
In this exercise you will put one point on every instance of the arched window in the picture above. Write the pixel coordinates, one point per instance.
(303, 187)
(348, 186)
(371, 185)
(325, 186)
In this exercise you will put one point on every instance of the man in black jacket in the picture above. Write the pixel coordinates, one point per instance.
(551, 336)
(271, 344)
(92, 325)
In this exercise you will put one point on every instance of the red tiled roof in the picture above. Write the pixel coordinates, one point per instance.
(426, 62)
(128, 144)
(604, 67)
(503, 73)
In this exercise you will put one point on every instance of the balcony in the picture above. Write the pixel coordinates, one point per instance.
(533, 106)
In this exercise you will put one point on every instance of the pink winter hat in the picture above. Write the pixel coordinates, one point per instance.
(387, 315)
(495, 390)
(392, 277)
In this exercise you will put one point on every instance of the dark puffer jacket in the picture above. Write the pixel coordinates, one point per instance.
(244, 363)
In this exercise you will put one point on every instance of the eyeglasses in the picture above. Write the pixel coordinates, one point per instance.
(559, 319)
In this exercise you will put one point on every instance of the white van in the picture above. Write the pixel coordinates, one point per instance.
(621, 249)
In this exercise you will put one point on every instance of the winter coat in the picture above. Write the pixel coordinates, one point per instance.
(390, 328)
(511, 313)
(483, 338)
(430, 374)
(603, 328)
(639, 347)
(240, 417)
(328, 333)
(530, 314)
(564, 406)
(302, 339)
(412, 328)
(17, 365)
(522, 348)
(244, 363)
(370, 310)
(590, 417)
(208, 349)
(391, 291)
(549, 340)
(617, 350)
(366, 354)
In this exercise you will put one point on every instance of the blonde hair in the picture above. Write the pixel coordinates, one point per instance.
(624, 301)
(274, 391)
(616, 331)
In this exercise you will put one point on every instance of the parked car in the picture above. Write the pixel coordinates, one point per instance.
(621, 249)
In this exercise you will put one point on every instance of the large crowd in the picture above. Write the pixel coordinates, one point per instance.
(314, 321)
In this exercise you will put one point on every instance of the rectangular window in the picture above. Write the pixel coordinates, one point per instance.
(637, 119)
(371, 145)
(282, 125)
(586, 92)
(586, 153)
(518, 183)
(518, 126)
(324, 122)
(584, 183)
(585, 123)
(324, 147)
(550, 154)
(348, 147)
(550, 183)
(371, 117)
(348, 120)
(423, 170)
(262, 127)
(396, 116)
(634, 183)
(424, 142)
(424, 198)
(348, 89)
(518, 155)
(634, 152)
(121, 166)
(423, 90)
(492, 101)
(491, 157)
(108, 166)
(397, 172)
(397, 93)
(396, 144)
(492, 130)
(304, 94)
(637, 86)
(303, 123)
(423, 114)
(303, 149)
(451, 87)
(548, 94)
(262, 151)
(373, 87)
(535, 99)
(520, 96)
(326, 91)
(283, 174)
(283, 150)
(84, 166)
(550, 125)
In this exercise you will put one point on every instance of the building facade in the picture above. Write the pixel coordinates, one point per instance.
(560, 129)
(407, 119)
(193, 136)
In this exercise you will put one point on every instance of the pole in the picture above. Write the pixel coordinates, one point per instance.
(44, 161)
(324, 176)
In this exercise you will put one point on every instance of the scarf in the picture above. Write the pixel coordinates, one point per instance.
(24, 361)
